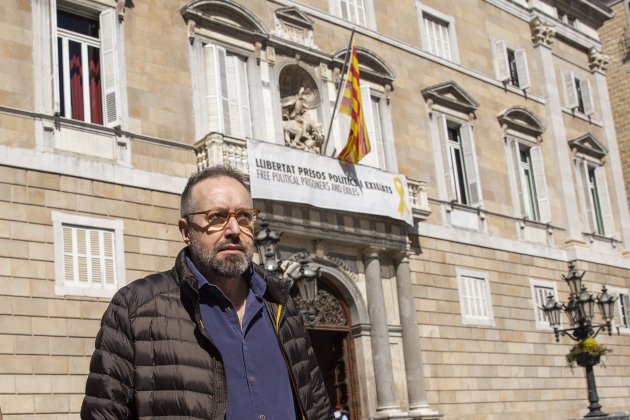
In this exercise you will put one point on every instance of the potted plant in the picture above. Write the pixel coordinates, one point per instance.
(586, 352)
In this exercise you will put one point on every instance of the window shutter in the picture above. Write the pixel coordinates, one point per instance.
(521, 69)
(68, 255)
(540, 181)
(472, 176)
(109, 68)
(625, 308)
(55, 57)
(604, 201)
(501, 64)
(95, 258)
(588, 200)
(570, 93)
(448, 165)
(343, 8)
(213, 87)
(618, 312)
(224, 97)
(587, 97)
(232, 123)
(81, 256)
(243, 98)
(372, 158)
(516, 162)
(108, 257)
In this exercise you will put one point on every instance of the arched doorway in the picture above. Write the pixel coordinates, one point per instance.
(328, 323)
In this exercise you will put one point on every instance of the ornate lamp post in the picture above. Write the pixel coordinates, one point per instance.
(579, 310)
(299, 271)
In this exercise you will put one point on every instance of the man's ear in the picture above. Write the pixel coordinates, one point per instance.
(184, 230)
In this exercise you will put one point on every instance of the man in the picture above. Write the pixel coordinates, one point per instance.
(216, 336)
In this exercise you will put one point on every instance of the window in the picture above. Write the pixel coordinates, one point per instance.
(578, 94)
(460, 165)
(511, 65)
(530, 180)
(227, 92)
(89, 259)
(437, 36)
(474, 298)
(85, 60)
(437, 32)
(540, 291)
(372, 118)
(621, 316)
(352, 11)
(597, 200)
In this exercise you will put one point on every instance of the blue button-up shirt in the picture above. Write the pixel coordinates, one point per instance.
(257, 378)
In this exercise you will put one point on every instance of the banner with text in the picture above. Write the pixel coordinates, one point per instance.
(282, 173)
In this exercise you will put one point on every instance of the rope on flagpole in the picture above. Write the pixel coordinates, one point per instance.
(341, 87)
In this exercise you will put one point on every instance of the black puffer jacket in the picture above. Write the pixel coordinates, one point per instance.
(153, 358)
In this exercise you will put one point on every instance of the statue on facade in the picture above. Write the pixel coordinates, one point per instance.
(299, 120)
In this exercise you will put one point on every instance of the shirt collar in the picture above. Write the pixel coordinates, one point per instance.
(256, 283)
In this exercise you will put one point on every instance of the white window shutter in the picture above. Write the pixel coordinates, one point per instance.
(224, 96)
(625, 308)
(501, 64)
(233, 126)
(516, 162)
(521, 69)
(570, 93)
(470, 161)
(587, 97)
(109, 68)
(213, 87)
(451, 194)
(243, 98)
(343, 9)
(583, 167)
(55, 57)
(372, 158)
(604, 201)
(542, 196)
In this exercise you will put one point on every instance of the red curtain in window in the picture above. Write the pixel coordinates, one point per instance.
(96, 103)
(76, 87)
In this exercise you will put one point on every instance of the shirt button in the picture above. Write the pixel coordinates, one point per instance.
(228, 309)
(253, 379)
(261, 417)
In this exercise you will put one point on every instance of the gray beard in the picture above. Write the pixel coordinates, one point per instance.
(231, 266)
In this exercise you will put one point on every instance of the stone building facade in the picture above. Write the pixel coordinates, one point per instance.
(615, 37)
(493, 115)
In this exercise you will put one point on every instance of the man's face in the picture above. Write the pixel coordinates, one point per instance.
(225, 252)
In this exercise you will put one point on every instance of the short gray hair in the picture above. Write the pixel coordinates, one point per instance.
(211, 172)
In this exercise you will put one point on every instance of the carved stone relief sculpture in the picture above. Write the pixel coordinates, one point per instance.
(302, 128)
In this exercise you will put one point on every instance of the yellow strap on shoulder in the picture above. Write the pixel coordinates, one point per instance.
(278, 317)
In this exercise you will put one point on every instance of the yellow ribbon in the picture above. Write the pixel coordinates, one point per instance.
(398, 186)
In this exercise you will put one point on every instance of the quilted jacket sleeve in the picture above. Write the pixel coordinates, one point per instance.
(310, 382)
(109, 388)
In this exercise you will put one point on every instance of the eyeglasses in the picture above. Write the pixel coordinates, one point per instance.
(218, 218)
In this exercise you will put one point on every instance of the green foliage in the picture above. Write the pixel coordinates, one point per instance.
(584, 349)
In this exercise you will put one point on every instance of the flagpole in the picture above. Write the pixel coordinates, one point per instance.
(343, 72)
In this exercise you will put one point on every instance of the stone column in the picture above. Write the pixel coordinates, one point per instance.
(414, 369)
(598, 63)
(379, 336)
(542, 37)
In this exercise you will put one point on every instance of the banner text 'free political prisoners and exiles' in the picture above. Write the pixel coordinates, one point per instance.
(286, 174)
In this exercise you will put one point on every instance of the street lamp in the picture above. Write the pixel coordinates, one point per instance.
(579, 311)
(299, 271)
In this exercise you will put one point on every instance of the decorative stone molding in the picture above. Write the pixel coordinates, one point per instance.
(597, 61)
(450, 95)
(543, 33)
(522, 120)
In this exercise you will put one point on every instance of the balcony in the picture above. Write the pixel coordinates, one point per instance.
(217, 149)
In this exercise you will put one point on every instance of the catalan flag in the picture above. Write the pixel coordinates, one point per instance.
(358, 144)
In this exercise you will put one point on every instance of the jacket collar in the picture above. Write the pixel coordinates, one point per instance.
(277, 287)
